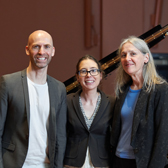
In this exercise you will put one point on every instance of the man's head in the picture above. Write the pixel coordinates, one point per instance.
(40, 49)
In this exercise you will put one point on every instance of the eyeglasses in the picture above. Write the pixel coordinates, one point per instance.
(92, 72)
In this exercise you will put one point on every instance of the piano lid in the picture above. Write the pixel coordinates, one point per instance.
(111, 61)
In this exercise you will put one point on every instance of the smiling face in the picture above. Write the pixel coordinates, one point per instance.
(133, 60)
(40, 49)
(89, 82)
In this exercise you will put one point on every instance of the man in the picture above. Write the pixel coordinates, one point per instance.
(33, 111)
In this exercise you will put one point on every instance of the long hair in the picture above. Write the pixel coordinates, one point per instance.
(150, 76)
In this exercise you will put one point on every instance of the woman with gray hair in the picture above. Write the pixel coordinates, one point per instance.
(139, 136)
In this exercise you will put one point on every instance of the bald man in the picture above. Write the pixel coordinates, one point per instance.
(33, 111)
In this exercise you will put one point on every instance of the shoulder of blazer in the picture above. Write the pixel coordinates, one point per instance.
(14, 78)
(162, 88)
(24, 73)
(55, 81)
(57, 90)
(111, 98)
(123, 94)
(104, 96)
(73, 96)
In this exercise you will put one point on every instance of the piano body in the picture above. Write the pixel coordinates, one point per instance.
(110, 62)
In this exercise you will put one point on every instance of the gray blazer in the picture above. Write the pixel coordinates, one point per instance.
(15, 119)
(149, 137)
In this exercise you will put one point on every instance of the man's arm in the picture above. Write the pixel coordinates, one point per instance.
(61, 120)
(3, 113)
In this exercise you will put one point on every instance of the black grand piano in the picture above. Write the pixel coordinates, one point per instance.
(110, 62)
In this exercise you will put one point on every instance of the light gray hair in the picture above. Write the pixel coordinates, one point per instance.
(150, 75)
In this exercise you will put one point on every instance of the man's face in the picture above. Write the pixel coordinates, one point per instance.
(40, 49)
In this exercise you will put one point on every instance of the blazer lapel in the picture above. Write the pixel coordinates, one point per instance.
(119, 103)
(116, 125)
(100, 112)
(139, 112)
(78, 109)
(52, 89)
(26, 94)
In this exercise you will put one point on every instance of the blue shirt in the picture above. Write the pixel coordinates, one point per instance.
(124, 149)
